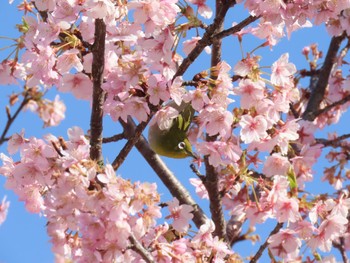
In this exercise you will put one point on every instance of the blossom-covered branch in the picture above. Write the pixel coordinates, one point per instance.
(206, 39)
(317, 93)
(212, 177)
(237, 122)
(168, 178)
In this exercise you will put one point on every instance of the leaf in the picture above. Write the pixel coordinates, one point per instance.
(292, 180)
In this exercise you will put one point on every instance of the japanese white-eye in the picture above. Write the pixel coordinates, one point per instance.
(173, 142)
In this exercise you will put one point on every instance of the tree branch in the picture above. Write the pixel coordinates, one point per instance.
(98, 95)
(341, 248)
(114, 138)
(11, 119)
(317, 94)
(168, 178)
(128, 146)
(138, 248)
(212, 177)
(207, 39)
(264, 246)
(236, 28)
(331, 106)
(333, 143)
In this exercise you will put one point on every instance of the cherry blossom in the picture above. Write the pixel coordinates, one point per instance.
(250, 92)
(285, 244)
(52, 112)
(181, 214)
(15, 142)
(99, 9)
(282, 70)
(288, 132)
(78, 84)
(253, 129)
(272, 32)
(165, 117)
(286, 210)
(4, 206)
(198, 98)
(191, 44)
(200, 188)
(249, 129)
(216, 121)
(69, 60)
(276, 164)
(247, 66)
(157, 89)
(6, 77)
(44, 5)
(203, 9)
(41, 65)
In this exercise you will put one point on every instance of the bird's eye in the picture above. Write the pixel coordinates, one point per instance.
(181, 145)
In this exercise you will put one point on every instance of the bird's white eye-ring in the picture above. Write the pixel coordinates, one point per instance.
(181, 145)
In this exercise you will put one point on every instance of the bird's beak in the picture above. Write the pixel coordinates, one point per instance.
(192, 154)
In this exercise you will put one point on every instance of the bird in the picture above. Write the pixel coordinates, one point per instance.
(173, 142)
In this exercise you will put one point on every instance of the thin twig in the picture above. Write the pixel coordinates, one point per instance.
(236, 28)
(317, 94)
(341, 248)
(168, 178)
(114, 138)
(138, 248)
(344, 50)
(264, 246)
(11, 119)
(98, 96)
(196, 172)
(333, 143)
(130, 144)
(294, 112)
(331, 106)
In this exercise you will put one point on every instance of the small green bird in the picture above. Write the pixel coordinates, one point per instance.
(173, 142)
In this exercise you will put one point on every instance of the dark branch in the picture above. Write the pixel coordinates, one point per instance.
(131, 143)
(264, 246)
(196, 172)
(98, 95)
(11, 119)
(138, 248)
(317, 94)
(207, 40)
(212, 178)
(114, 138)
(333, 143)
(168, 178)
(236, 28)
(340, 246)
(331, 106)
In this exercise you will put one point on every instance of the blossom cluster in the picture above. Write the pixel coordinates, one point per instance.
(92, 213)
(293, 15)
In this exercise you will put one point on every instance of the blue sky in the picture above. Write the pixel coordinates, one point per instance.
(23, 236)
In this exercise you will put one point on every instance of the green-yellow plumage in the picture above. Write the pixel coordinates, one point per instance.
(173, 142)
